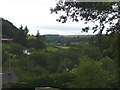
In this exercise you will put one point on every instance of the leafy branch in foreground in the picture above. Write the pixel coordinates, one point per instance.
(104, 12)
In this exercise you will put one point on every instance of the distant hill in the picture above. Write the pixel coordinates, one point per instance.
(67, 38)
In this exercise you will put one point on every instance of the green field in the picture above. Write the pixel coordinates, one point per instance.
(55, 48)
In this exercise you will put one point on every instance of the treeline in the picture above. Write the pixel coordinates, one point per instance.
(67, 39)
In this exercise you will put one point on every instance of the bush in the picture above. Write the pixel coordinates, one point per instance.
(91, 74)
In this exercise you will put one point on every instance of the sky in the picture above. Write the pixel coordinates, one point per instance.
(35, 14)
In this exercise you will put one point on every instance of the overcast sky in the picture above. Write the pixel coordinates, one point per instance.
(36, 15)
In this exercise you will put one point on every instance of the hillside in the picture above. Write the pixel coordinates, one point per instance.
(46, 61)
(8, 29)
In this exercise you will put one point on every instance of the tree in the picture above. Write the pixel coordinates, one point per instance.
(61, 79)
(104, 12)
(39, 42)
(94, 74)
(113, 49)
(101, 41)
(38, 34)
(65, 65)
(21, 27)
(16, 49)
(20, 38)
(26, 30)
(39, 58)
(93, 52)
(36, 43)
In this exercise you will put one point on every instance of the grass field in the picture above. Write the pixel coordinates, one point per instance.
(53, 49)
(63, 47)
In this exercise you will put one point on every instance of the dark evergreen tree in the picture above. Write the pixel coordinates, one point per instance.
(38, 35)
(40, 44)
(21, 27)
(26, 30)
